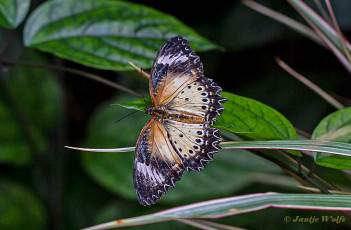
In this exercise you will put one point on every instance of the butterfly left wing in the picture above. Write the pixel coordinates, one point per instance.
(165, 151)
(157, 166)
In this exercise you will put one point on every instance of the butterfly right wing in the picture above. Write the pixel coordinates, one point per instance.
(175, 66)
(157, 166)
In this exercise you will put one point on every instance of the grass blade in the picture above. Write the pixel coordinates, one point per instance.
(324, 30)
(236, 205)
(331, 147)
(337, 28)
(295, 25)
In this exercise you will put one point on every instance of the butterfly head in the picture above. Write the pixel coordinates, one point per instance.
(149, 110)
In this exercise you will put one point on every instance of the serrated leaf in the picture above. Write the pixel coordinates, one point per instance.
(105, 34)
(37, 96)
(254, 120)
(13, 12)
(20, 208)
(334, 127)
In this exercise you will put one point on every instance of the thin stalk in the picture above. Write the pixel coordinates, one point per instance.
(295, 25)
(337, 28)
(328, 42)
(74, 71)
(323, 12)
(303, 133)
(310, 85)
(140, 70)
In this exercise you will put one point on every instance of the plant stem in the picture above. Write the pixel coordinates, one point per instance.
(310, 84)
(337, 28)
(74, 71)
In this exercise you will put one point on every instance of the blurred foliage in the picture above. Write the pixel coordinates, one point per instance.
(19, 208)
(28, 86)
(12, 13)
(44, 185)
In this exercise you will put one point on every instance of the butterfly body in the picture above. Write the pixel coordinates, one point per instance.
(178, 137)
(161, 114)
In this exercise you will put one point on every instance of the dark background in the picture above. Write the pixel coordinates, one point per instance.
(73, 198)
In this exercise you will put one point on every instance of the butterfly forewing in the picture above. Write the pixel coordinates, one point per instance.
(201, 98)
(175, 67)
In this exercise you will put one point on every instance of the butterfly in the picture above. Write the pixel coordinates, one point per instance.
(178, 137)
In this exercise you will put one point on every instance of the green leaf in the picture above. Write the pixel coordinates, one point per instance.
(334, 127)
(114, 171)
(254, 120)
(20, 208)
(137, 103)
(37, 96)
(236, 205)
(105, 34)
(12, 12)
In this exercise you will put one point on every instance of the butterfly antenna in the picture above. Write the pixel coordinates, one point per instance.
(128, 115)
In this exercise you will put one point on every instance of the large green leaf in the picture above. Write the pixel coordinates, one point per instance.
(105, 34)
(236, 205)
(12, 12)
(334, 127)
(254, 119)
(35, 95)
(19, 208)
(115, 170)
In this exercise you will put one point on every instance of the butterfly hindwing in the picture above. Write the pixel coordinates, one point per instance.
(194, 143)
(157, 165)
(175, 66)
(201, 98)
